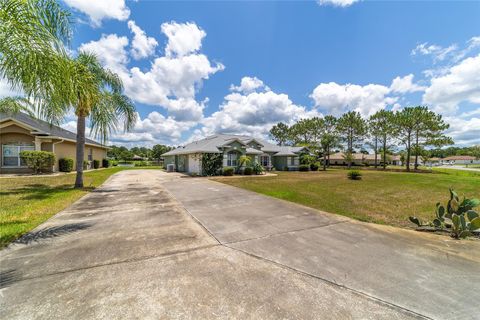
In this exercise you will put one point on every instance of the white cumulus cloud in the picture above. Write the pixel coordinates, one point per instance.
(405, 84)
(253, 112)
(99, 10)
(460, 84)
(336, 98)
(172, 80)
(183, 38)
(110, 50)
(142, 46)
(249, 84)
(337, 3)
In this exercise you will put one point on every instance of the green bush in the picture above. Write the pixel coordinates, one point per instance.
(258, 168)
(38, 160)
(96, 164)
(314, 166)
(211, 163)
(114, 163)
(228, 171)
(354, 175)
(248, 171)
(141, 163)
(105, 163)
(285, 168)
(304, 167)
(65, 165)
(85, 164)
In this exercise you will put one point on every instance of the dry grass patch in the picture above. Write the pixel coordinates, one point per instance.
(380, 197)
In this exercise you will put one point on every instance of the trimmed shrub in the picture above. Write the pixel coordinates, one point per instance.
(304, 167)
(65, 165)
(85, 164)
(354, 175)
(314, 166)
(228, 171)
(114, 163)
(105, 163)
(38, 160)
(257, 168)
(248, 171)
(96, 164)
(285, 168)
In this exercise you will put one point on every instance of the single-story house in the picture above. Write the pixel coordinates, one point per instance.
(363, 159)
(433, 161)
(460, 160)
(20, 132)
(232, 147)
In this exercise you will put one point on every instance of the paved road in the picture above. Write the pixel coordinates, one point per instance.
(460, 168)
(132, 250)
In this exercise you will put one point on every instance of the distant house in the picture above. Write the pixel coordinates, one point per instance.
(433, 161)
(232, 147)
(20, 132)
(460, 160)
(363, 159)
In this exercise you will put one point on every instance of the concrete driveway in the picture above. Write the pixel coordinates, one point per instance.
(132, 250)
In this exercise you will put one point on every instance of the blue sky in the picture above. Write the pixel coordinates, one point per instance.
(196, 68)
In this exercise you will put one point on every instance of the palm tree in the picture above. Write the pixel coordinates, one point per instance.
(33, 59)
(100, 99)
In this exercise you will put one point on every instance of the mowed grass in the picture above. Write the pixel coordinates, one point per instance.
(26, 202)
(380, 197)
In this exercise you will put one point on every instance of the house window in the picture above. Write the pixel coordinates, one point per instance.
(232, 159)
(11, 155)
(292, 161)
(265, 161)
(90, 154)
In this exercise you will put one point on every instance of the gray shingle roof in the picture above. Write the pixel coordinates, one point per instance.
(211, 145)
(45, 128)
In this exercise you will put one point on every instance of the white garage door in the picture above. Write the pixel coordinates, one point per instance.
(194, 163)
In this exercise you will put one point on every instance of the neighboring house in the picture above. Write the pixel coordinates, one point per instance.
(363, 159)
(460, 160)
(433, 162)
(232, 147)
(20, 132)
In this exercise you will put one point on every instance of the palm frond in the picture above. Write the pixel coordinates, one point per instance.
(112, 110)
(12, 105)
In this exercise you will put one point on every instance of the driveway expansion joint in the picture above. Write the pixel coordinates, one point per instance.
(126, 261)
(285, 232)
(360, 293)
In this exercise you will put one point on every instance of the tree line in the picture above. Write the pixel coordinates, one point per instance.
(123, 153)
(414, 128)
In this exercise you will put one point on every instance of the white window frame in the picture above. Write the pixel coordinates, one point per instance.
(18, 146)
(267, 157)
(232, 158)
(90, 154)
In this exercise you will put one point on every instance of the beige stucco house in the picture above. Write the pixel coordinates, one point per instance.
(19, 132)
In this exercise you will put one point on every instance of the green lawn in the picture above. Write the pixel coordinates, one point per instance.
(380, 197)
(28, 201)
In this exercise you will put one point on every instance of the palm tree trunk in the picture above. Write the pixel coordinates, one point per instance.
(80, 151)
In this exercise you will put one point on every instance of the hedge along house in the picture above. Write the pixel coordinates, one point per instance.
(20, 132)
(189, 157)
